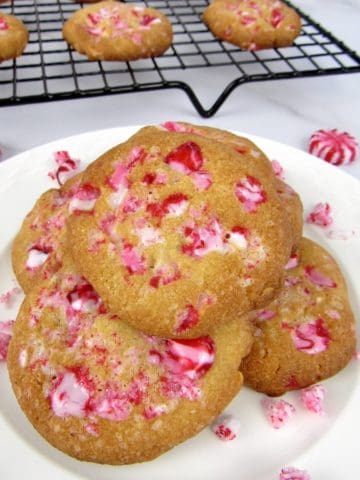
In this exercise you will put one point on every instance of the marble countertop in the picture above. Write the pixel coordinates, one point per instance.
(288, 111)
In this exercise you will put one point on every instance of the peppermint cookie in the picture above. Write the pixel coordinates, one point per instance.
(103, 392)
(243, 146)
(180, 234)
(253, 24)
(39, 246)
(13, 37)
(115, 31)
(308, 333)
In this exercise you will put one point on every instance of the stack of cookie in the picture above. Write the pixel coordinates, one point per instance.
(155, 279)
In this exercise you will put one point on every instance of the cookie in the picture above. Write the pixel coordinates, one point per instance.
(290, 199)
(115, 31)
(253, 24)
(308, 333)
(13, 37)
(294, 211)
(182, 234)
(103, 392)
(38, 247)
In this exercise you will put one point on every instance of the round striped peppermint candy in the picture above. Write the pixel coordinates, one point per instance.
(333, 146)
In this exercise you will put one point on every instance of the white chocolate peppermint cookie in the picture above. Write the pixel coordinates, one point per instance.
(308, 333)
(184, 236)
(116, 31)
(39, 246)
(104, 392)
(333, 146)
(253, 24)
(13, 37)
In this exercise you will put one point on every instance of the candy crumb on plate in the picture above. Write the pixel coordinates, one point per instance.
(291, 473)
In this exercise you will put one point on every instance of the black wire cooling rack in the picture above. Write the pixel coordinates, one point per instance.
(50, 70)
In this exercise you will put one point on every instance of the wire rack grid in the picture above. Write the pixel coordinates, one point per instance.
(50, 70)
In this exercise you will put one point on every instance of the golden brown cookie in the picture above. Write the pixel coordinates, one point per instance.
(308, 333)
(253, 24)
(103, 392)
(290, 199)
(294, 211)
(13, 37)
(183, 234)
(39, 246)
(115, 31)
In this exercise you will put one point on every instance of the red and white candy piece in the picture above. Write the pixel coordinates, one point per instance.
(333, 146)
(313, 398)
(5, 337)
(291, 473)
(66, 167)
(320, 215)
(278, 412)
(226, 427)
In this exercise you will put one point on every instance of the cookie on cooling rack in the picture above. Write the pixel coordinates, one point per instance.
(308, 333)
(115, 31)
(253, 24)
(13, 37)
(183, 234)
(103, 392)
(39, 246)
(290, 199)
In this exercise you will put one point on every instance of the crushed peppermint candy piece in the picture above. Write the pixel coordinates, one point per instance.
(320, 215)
(312, 337)
(5, 337)
(278, 412)
(66, 167)
(333, 146)
(312, 398)
(7, 297)
(278, 169)
(291, 473)
(226, 427)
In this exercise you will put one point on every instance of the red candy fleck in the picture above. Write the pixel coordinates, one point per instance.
(7, 297)
(3, 24)
(186, 319)
(318, 278)
(250, 193)
(174, 205)
(83, 299)
(311, 337)
(84, 199)
(293, 261)
(265, 314)
(226, 428)
(186, 158)
(276, 17)
(201, 240)
(278, 169)
(164, 275)
(155, 178)
(66, 167)
(189, 357)
(133, 261)
(333, 146)
(291, 473)
(278, 412)
(320, 215)
(5, 337)
(312, 398)
(37, 256)
(176, 127)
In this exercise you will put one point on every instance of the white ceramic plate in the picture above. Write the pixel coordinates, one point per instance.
(325, 446)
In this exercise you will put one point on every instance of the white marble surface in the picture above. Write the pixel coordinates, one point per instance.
(286, 110)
